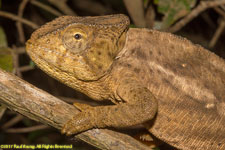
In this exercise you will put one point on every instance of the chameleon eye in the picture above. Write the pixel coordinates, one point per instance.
(75, 39)
(77, 36)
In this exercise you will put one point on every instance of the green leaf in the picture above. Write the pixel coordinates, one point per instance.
(156, 1)
(173, 10)
(132, 26)
(32, 64)
(6, 59)
(3, 40)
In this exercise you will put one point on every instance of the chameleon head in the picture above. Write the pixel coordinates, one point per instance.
(79, 47)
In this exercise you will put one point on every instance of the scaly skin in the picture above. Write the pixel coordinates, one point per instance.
(175, 88)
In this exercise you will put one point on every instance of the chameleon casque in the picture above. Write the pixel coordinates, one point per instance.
(173, 87)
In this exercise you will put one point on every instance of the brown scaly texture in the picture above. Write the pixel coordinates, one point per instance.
(174, 87)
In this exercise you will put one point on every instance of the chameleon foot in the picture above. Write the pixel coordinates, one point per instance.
(80, 122)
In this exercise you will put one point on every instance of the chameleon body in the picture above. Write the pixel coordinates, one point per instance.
(173, 87)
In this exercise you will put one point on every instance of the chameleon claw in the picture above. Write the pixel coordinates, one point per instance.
(66, 131)
(78, 123)
(63, 131)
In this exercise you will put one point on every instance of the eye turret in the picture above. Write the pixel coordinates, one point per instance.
(75, 39)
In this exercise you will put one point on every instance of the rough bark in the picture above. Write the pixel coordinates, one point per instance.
(40, 106)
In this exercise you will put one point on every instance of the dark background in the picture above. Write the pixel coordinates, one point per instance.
(156, 14)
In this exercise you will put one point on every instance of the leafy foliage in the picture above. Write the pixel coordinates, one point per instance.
(173, 10)
(6, 59)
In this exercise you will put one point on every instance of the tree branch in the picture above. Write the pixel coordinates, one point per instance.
(40, 106)
(14, 17)
(194, 13)
(46, 7)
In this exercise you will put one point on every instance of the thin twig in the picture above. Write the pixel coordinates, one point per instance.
(46, 7)
(27, 129)
(16, 65)
(61, 5)
(97, 7)
(208, 20)
(18, 23)
(223, 7)
(26, 68)
(12, 122)
(16, 18)
(150, 17)
(194, 13)
(136, 11)
(217, 34)
(2, 111)
(19, 50)
(220, 11)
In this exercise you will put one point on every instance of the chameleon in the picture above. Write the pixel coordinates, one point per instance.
(175, 88)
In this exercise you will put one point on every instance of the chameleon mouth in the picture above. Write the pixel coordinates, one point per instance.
(36, 52)
(51, 59)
